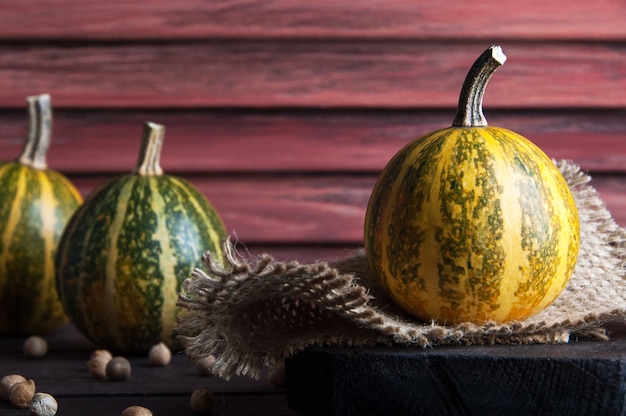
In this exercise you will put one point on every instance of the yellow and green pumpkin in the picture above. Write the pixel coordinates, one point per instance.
(472, 222)
(35, 205)
(126, 252)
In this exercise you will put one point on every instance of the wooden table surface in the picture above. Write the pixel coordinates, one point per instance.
(164, 390)
(167, 390)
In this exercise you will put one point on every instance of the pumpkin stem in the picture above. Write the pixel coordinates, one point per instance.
(150, 152)
(470, 109)
(40, 129)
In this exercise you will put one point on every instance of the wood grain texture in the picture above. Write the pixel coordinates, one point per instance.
(259, 404)
(283, 113)
(377, 19)
(578, 379)
(213, 141)
(304, 253)
(164, 390)
(312, 209)
(283, 208)
(306, 74)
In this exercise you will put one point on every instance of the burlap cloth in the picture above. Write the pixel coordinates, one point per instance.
(251, 313)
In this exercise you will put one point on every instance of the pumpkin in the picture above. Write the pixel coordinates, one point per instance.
(125, 253)
(472, 223)
(35, 205)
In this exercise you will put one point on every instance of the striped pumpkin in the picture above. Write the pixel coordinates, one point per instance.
(35, 205)
(472, 223)
(125, 253)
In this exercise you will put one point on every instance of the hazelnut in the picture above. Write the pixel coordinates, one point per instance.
(136, 411)
(43, 404)
(159, 355)
(117, 369)
(202, 401)
(97, 363)
(7, 383)
(22, 393)
(101, 354)
(35, 347)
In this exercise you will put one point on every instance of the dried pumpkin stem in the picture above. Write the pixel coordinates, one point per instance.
(470, 109)
(31, 140)
(148, 163)
(40, 129)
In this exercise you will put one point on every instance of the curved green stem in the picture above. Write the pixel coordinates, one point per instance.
(470, 109)
(148, 163)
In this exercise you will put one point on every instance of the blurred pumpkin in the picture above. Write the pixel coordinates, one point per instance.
(35, 205)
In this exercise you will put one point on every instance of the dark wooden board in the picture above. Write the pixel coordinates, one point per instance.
(579, 378)
(309, 73)
(453, 19)
(214, 141)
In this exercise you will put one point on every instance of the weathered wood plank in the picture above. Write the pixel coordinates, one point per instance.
(303, 253)
(97, 141)
(313, 209)
(285, 208)
(453, 19)
(304, 74)
(612, 190)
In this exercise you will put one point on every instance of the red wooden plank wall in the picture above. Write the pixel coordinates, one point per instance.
(283, 112)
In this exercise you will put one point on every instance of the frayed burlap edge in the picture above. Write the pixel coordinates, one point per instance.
(251, 313)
